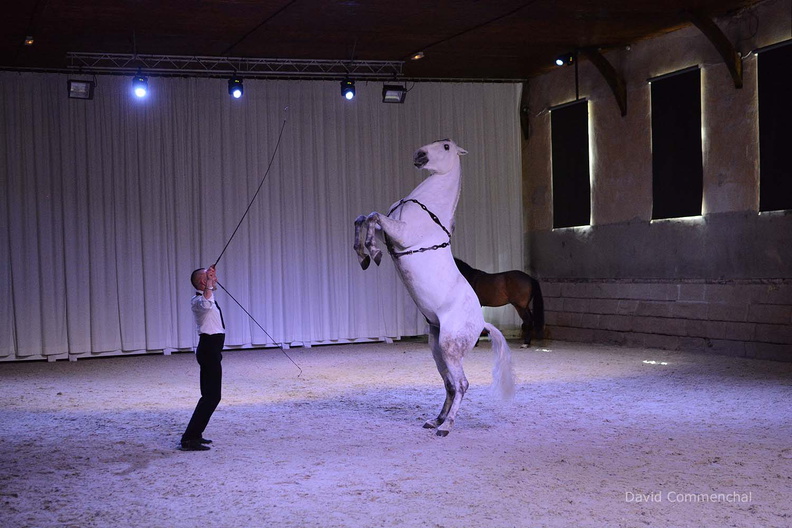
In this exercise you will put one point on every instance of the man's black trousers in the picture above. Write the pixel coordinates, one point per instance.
(209, 355)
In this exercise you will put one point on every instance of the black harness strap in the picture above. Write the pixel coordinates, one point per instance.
(397, 254)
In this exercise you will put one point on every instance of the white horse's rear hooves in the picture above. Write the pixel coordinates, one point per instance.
(444, 428)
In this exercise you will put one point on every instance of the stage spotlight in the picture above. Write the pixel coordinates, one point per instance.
(348, 89)
(393, 94)
(417, 56)
(140, 85)
(235, 88)
(29, 40)
(565, 59)
(81, 89)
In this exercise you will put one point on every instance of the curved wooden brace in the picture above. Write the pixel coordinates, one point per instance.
(615, 81)
(730, 55)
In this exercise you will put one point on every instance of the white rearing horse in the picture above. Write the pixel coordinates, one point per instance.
(417, 233)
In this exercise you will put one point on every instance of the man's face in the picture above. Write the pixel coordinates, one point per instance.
(201, 280)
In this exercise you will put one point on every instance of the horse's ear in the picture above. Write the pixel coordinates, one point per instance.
(461, 151)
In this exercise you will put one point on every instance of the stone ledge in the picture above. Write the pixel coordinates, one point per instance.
(727, 347)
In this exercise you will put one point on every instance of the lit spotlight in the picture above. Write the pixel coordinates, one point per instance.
(417, 56)
(565, 59)
(29, 40)
(348, 89)
(235, 88)
(140, 85)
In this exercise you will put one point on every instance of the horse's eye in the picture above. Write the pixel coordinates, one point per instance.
(446, 146)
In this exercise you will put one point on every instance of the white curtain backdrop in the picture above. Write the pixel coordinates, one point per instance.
(109, 204)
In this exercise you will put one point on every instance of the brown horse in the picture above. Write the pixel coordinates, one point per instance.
(509, 287)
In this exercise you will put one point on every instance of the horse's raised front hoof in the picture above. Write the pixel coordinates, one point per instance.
(365, 262)
(377, 256)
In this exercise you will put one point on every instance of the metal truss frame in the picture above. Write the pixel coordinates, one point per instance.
(224, 66)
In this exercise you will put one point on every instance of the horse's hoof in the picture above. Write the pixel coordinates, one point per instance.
(365, 262)
(525, 345)
(430, 424)
(442, 432)
(377, 257)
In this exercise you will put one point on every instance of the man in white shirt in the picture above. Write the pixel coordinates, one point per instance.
(211, 332)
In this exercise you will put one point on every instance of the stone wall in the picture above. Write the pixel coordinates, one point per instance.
(747, 318)
(718, 282)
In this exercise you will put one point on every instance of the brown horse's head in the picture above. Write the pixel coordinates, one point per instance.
(465, 269)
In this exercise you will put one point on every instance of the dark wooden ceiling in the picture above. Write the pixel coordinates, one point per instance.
(461, 39)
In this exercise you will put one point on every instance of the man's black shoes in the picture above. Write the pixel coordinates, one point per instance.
(205, 441)
(193, 445)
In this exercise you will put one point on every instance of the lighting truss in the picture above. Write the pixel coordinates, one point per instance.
(223, 66)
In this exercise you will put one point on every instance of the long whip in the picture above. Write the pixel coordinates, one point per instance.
(274, 152)
(262, 328)
(269, 166)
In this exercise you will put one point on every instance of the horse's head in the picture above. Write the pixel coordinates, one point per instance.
(465, 269)
(438, 157)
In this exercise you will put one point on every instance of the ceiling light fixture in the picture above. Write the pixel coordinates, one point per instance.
(80, 89)
(29, 40)
(393, 93)
(235, 88)
(565, 59)
(417, 56)
(348, 89)
(140, 85)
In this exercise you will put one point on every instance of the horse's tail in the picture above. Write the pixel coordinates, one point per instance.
(538, 309)
(502, 372)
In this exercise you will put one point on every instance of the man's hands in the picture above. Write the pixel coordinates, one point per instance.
(211, 280)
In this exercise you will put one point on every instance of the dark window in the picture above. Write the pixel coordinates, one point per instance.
(775, 128)
(571, 186)
(677, 174)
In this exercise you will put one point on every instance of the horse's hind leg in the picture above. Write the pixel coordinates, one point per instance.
(363, 259)
(456, 385)
(448, 352)
(527, 324)
(434, 344)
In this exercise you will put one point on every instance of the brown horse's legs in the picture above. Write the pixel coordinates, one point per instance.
(527, 323)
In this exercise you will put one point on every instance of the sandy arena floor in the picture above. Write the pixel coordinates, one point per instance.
(596, 436)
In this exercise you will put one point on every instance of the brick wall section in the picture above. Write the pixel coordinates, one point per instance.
(746, 318)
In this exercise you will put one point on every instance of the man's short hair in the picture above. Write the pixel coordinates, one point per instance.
(194, 277)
